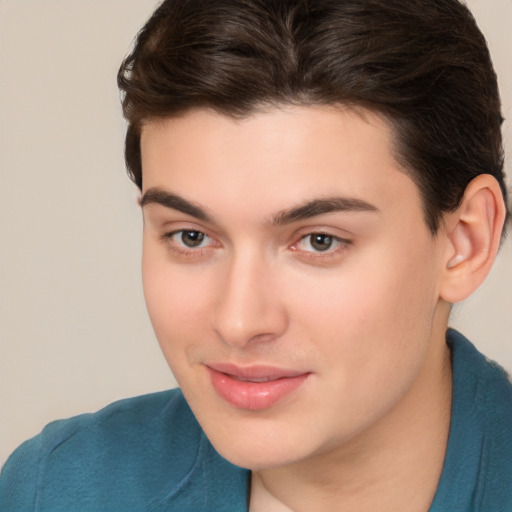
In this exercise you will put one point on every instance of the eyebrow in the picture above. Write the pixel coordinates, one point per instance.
(158, 196)
(322, 206)
(307, 210)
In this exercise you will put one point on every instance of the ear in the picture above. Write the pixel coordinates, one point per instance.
(472, 234)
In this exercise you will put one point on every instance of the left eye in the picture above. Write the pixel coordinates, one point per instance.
(190, 238)
(319, 242)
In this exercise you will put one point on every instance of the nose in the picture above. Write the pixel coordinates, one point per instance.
(249, 308)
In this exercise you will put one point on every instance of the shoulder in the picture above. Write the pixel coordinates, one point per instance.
(481, 429)
(482, 386)
(134, 447)
(475, 373)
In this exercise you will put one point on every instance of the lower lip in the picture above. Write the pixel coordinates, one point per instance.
(254, 396)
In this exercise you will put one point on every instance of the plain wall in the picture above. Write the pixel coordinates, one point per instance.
(74, 330)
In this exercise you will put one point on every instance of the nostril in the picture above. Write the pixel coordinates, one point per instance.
(239, 327)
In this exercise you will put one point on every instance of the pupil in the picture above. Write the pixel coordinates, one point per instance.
(192, 238)
(321, 242)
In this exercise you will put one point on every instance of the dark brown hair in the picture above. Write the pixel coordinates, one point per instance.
(423, 64)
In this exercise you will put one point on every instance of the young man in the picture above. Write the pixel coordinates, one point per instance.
(320, 181)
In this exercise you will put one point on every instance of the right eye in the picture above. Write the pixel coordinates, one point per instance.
(191, 238)
(188, 239)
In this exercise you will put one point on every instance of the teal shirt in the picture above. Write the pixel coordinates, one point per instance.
(149, 454)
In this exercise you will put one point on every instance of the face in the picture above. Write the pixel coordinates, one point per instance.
(289, 275)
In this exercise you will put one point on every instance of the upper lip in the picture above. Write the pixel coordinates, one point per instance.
(255, 371)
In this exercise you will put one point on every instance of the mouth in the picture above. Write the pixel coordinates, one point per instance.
(246, 379)
(256, 387)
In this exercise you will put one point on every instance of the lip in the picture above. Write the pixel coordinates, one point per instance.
(254, 387)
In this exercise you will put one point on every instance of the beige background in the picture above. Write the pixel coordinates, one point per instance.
(73, 327)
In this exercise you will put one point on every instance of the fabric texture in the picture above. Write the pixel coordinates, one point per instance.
(149, 454)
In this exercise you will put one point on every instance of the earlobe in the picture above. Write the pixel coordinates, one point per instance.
(473, 234)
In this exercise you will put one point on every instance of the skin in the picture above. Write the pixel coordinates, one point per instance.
(364, 317)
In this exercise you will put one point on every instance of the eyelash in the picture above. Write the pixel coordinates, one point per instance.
(181, 249)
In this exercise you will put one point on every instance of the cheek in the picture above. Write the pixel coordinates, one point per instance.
(371, 329)
(374, 314)
(369, 298)
(174, 299)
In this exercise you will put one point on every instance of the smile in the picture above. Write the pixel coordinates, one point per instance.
(254, 388)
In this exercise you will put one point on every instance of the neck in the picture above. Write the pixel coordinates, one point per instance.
(393, 466)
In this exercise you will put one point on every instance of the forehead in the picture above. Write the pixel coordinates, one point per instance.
(283, 155)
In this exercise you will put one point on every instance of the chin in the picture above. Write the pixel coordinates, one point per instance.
(257, 459)
(257, 449)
